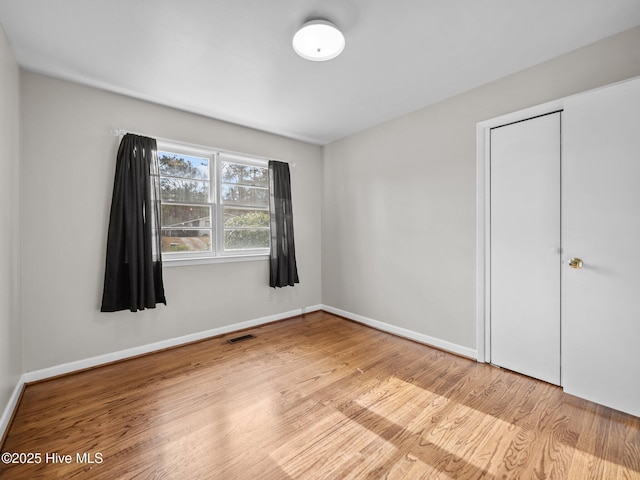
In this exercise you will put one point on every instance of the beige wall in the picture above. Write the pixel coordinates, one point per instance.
(399, 199)
(68, 158)
(11, 366)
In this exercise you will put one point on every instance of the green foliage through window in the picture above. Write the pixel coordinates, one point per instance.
(247, 230)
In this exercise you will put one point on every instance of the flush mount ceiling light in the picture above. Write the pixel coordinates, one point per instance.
(318, 41)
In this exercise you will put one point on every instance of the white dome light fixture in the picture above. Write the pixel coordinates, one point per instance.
(318, 41)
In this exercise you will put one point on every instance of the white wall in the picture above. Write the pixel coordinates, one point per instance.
(68, 157)
(399, 199)
(11, 366)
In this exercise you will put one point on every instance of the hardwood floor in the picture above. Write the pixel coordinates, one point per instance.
(314, 397)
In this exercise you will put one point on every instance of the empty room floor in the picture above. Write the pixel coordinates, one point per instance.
(313, 397)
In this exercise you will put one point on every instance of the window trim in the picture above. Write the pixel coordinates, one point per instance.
(217, 253)
(188, 261)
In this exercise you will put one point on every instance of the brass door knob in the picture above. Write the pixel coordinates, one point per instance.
(575, 263)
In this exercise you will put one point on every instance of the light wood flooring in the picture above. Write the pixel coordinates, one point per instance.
(315, 397)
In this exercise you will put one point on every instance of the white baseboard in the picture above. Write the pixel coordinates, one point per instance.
(403, 332)
(11, 407)
(152, 347)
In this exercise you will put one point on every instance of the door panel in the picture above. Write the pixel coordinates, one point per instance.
(601, 225)
(525, 247)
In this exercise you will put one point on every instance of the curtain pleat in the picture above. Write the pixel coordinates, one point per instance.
(133, 268)
(283, 268)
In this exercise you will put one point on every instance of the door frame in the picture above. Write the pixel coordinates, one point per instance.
(483, 216)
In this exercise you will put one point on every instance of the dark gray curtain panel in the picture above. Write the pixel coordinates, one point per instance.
(283, 269)
(133, 270)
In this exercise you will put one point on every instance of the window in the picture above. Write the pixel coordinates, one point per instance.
(245, 205)
(213, 204)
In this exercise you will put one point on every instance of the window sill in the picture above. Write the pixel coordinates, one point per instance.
(186, 261)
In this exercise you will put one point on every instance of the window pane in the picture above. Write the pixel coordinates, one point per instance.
(181, 190)
(186, 240)
(185, 216)
(244, 174)
(239, 218)
(235, 239)
(177, 165)
(245, 195)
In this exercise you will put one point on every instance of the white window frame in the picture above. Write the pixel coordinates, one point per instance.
(217, 253)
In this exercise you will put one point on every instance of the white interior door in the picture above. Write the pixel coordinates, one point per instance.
(525, 247)
(601, 226)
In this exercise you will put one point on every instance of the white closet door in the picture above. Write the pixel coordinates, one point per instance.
(525, 247)
(601, 226)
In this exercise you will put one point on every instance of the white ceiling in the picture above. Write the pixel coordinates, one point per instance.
(233, 60)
